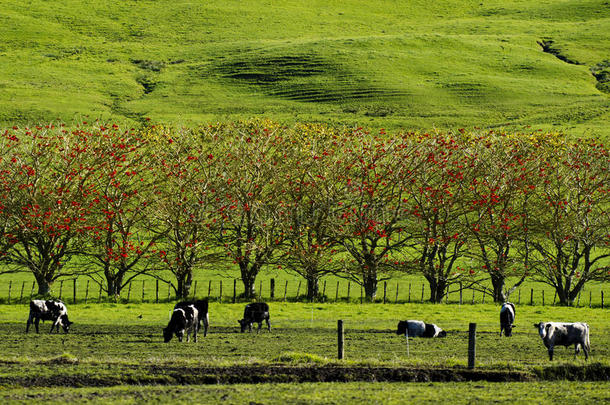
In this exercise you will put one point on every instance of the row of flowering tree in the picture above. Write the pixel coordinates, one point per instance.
(489, 210)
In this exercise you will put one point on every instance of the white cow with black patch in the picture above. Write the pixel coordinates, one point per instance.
(184, 320)
(48, 310)
(419, 329)
(507, 318)
(565, 334)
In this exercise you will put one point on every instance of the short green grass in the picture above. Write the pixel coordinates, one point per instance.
(325, 393)
(387, 63)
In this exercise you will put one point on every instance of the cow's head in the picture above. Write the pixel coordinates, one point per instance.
(244, 325)
(402, 328)
(65, 322)
(167, 334)
(442, 333)
(543, 328)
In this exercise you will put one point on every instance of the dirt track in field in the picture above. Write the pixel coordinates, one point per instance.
(254, 374)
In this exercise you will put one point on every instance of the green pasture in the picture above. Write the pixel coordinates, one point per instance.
(388, 63)
(119, 335)
(326, 393)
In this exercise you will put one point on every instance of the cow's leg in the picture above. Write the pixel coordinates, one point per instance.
(551, 353)
(206, 324)
(260, 325)
(56, 324)
(36, 322)
(195, 327)
(268, 325)
(29, 322)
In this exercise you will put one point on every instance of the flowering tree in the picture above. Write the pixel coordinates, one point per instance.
(369, 217)
(496, 198)
(121, 243)
(43, 194)
(572, 221)
(309, 250)
(249, 196)
(436, 211)
(183, 209)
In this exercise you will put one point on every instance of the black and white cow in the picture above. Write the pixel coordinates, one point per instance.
(565, 334)
(48, 310)
(184, 319)
(202, 310)
(255, 312)
(419, 329)
(507, 318)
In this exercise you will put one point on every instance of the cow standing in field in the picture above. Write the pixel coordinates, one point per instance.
(419, 329)
(507, 318)
(255, 312)
(48, 310)
(565, 334)
(202, 311)
(183, 320)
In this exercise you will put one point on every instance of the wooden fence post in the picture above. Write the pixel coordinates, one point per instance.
(169, 291)
(461, 293)
(422, 292)
(361, 294)
(385, 290)
(602, 300)
(590, 296)
(220, 292)
(272, 288)
(285, 290)
(473, 296)
(472, 344)
(10, 286)
(532, 296)
(129, 291)
(340, 340)
(396, 297)
(87, 292)
(324, 291)
(143, 289)
(542, 297)
(209, 288)
(348, 288)
(234, 290)
(409, 299)
(156, 291)
(21, 296)
(74, 291)
(61, 287)
(337, 293)
(260, 290)
(519, 296)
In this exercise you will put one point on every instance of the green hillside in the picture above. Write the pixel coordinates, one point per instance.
(391, 63)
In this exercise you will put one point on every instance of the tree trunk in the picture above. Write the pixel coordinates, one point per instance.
(437, 289)
(248, 278)
(184, 280)
(313, 289)
(370, 287)
(44, 285)
(498, 282)
(114, 285)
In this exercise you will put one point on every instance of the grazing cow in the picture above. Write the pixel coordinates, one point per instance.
(419, 329)
(184, 319)
(255, 312)
(202, 310)
(565, 334)
(48, 310)
(507, 318)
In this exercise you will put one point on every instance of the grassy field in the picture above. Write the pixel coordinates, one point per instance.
(385, 64)
(115, 354)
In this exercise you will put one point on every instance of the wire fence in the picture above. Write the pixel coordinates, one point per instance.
(291, 290)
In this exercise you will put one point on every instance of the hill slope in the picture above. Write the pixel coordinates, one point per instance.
(415, 64)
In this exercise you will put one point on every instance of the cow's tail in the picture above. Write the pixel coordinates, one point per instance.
(587, 342)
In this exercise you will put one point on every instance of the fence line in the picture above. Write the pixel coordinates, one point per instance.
(292, 292)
